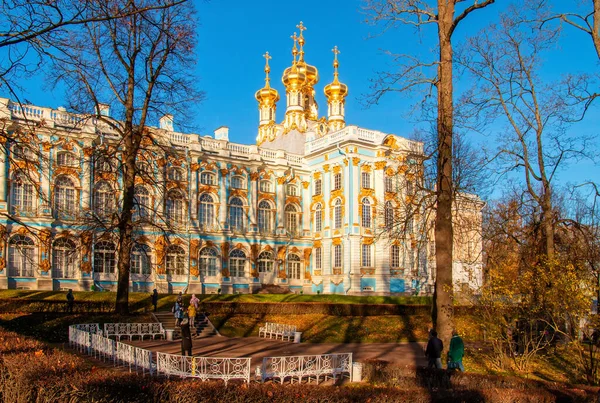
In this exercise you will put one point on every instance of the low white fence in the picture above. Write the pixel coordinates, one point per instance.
(203, 368)
(131, 330)
(308, 367)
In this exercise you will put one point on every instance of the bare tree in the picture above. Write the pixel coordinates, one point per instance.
(446, 17)
(140, 65)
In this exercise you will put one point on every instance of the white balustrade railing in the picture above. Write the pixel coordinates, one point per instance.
(307, 367)
(238, 148)
(179, 138)
(204, 368)
(272, 154)
(93, 328)
(212, 144)
(296, 159)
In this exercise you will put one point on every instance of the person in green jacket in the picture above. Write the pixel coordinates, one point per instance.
(456, 352)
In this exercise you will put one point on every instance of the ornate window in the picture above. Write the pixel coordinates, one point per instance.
(64, 195)
(208, 178)
(21, 257)
(388, 215)
(206, 211)
(266, 186)
(237, 182)
(365, 258)
(409, 188)
(237, 263)
(141, 202)
(318, 217)
(294, 267)
(140, 259)
(366, 180)
(337, 214)
(21, 152)
(104, 164)
(175, 261)
(395, 256)
(409, 220)
(64, 259)
(65, 159)
(292, 190)
(236, 214)
(389, 183)
(22, 193)
(208, 262)
(175, 174)
(366, 213)
(175, 207)
(104, 257)
(337, 181)
(104, 200)
(291, 219)
(265, 262)
(318, 258)
(318, 187)
(266, 217)
(337, 256)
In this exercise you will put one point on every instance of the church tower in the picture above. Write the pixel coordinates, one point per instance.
(267, 98)
(294, 80)
(336, 93)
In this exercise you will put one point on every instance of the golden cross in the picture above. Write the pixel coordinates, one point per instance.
(335, 51)
(301, 27)
(267, 57)
(295, 38)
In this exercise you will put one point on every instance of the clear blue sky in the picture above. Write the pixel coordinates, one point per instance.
(233, 36)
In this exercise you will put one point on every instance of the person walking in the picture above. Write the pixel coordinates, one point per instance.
(70, 301)
(177, 313)
(155, 299)
(195, 301)
(456, 352)
(186, 338)
(191, 312)
(180, 298)
(434, 349)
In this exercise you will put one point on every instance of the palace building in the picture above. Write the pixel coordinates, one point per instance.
(313, 206)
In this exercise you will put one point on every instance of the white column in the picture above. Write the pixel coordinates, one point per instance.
(280, 196)
(86, 166)
(306, 200)
(223, 197)
(253, 199)
(194, 194)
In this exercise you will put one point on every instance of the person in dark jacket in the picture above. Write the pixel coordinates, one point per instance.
(155, 299)
(434, 349)
(186, 337)
(70, 301)
(456, 352)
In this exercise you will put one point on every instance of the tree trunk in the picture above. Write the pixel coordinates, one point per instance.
(443, 311)
(547, 223)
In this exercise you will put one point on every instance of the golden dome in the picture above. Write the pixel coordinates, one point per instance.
(267, 95)
(293, 76)
(312, 74)
(336, 89)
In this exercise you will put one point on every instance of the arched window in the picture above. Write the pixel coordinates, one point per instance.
(65, 159)
(64, 259)
(337, 256)
(141, 200)
(292, 190)
(266, 187)
(291, 219)
(236, 214)
(366, 256)
(318, 258)
(206, 211)
(337, 214)
(318, 217)
(175, 207)
(266, 217)
(395, 256)
(389, 215)
(21, 257)
(104, 200)
(208, 178)
(265, 262)
(64, 195)
(318, 187)
(366, 213)
(208, 262)
(337, 181)
(293, 267)
(237, 182)
(22, 193)
(175, 174)
(140, 259)
(104, 257)
(237, 263)
(175, 261)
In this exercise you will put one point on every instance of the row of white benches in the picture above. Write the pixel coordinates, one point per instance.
(277, 330)
(131, 330)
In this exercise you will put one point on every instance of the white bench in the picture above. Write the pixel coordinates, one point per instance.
(277, 330)
(308, 367)
(131, 330)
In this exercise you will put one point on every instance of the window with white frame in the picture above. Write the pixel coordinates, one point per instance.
(22, 152)
(141, 203)
(389, 184)
(366, 180)
(291, 219)
(266, 217)
(175, 207)
(175, 174)
(294, 267)
(366, 213)
(237, 182)
(175, 261)
(65, 159)
(21, 257)
(64, 195)
(105, 257)
(366, 256)
(337, 181)
(237, 263)
(64, 258)
(104, 200)
(265, 262)
(206, 211)
(22, 193)
(337, 214)
(140, 259)
(208, 262)
(208, 178)
(318, 258)
(292, 190)
(388, 215)
(318, 217)
(266, 186)
(395, 256)
(318, 187)
(236, 214)
(337, 256)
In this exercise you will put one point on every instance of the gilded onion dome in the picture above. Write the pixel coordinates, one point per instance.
(336, 89)
(292, 76)
(312, 74)
(267, 95)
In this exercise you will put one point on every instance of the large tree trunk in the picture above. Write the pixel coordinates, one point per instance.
(443, 311)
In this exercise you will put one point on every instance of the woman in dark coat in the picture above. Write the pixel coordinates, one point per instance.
(186, 338)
